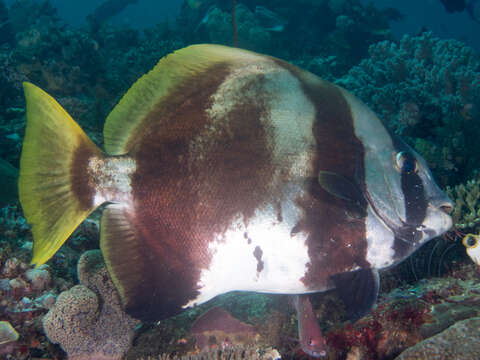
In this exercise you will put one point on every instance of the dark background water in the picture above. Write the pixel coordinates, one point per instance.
(144, 13)
(419, 14)
(431, 15)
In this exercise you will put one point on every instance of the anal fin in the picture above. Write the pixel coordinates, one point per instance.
(150, 287)
(358, 290)
(120, 248)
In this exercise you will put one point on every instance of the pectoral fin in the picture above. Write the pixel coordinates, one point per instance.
(358, 290)
(343, 188)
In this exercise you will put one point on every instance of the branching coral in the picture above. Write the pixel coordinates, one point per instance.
(427, 90)
(466, 213)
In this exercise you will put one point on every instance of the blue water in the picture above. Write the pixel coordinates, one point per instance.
(144, 13)
(419, 14)
(432, 15)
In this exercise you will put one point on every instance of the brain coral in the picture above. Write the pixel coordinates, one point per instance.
(427, 90)
(87, 320)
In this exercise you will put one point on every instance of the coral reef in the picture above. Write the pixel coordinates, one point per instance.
(88, 71)
(427, 90)
(466, 213)
(402, 318)
(87, 320)
(247, 308)
(217, 28)
(26, 293)
(339, 30)
(408, 315)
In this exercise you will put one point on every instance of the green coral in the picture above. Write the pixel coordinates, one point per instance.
(466, 214)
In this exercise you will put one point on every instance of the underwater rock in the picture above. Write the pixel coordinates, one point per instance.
(87, 320)
(463, 305)
(38, 277)
(13, 267)
(461, 341)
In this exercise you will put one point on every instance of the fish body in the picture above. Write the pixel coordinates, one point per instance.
(471, 241)
(228, 170)
(310, 335)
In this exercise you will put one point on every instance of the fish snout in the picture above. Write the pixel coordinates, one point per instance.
(315, 347)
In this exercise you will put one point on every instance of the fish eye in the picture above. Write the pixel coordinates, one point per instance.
(470, 241)
(405, 162)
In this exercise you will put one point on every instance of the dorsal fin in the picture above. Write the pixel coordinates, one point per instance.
(150, 92)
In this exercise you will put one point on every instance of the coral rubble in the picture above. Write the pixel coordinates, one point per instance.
(234, 353)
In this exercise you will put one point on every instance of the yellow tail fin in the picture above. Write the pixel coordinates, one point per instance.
(53, 183)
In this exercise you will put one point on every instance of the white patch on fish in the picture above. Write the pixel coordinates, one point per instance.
(288, 113)
(436, 219)
(234, 266)
(380, 242)
(292, 116)
(112, 179)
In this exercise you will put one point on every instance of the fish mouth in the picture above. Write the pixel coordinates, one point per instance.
(415, 234)
(315, 353)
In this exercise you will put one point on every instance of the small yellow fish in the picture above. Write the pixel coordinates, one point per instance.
(471, 241)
